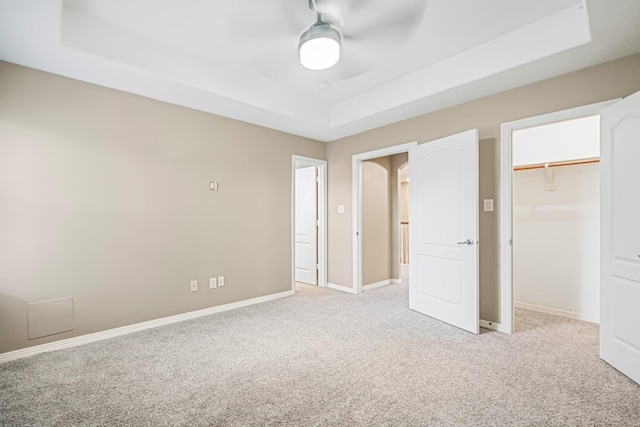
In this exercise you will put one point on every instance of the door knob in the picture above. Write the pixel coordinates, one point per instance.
(467, 242)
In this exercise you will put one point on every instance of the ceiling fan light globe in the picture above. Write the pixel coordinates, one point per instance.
(319, 53)
(319, 46)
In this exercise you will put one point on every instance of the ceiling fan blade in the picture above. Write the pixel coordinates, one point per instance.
(280, 65)
(369, 17)
(351, 67)
(383, 39)
(374, 48)
(268, 20)
(359, 56)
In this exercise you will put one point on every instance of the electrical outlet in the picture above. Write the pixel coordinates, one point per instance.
(213, 283)
(220, 281)
(194, 286)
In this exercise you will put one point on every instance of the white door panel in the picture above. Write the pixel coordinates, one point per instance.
(620, 237)
(306, 225)
(443, 205)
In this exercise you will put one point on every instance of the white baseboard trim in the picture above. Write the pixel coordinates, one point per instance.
(556, 312)
(137, 327)
(396, 281)
(377, 284)
(490, 325)
(341, 288)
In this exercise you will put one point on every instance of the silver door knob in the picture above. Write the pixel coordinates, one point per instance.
(467, 242)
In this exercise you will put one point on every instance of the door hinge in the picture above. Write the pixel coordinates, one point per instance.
(317, 223)
(317, 179)
(317, 266)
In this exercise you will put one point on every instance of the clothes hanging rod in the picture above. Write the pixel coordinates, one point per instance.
(555, 164)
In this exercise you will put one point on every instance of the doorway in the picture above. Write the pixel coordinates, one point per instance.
(403, 214)
(357, 199)
(533, 208)
(556, 218)
(443, 274)
(308, 221)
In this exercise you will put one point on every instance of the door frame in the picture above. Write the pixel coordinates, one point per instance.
(506, 198)
(322, 217)
(356, 202)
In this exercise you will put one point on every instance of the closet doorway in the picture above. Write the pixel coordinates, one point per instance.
(556, 218)
(550, 215)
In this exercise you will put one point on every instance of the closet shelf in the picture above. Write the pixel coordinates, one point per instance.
(556, 164)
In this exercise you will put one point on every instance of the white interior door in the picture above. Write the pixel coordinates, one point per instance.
(306, 247)
(620, 236)
(443, 207)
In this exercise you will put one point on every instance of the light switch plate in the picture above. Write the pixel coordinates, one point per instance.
(488, 205)
(340, 208)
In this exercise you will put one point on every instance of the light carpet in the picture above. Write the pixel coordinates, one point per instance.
(325, 358)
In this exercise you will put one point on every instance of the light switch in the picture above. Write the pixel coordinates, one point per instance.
(340, 208)
(213, 185)
(488, 205)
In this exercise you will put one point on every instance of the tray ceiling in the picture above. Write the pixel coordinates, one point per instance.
(239, 59)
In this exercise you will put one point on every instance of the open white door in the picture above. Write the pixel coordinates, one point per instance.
(443, 207)
(306, 246)
(620, 236)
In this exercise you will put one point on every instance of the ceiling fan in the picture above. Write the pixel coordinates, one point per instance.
(319, 47)
(278, 35)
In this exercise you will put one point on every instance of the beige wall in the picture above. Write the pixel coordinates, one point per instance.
(404, 202)
(488, 184)
(606, 81)
(104, 197)
(376, 220)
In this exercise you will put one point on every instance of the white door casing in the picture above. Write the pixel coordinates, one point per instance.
(443, 207)
(620, 236)
(306, 225)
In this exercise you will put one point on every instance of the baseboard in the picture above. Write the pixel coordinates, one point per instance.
(490, 325)
(556, 312)
(341, 288)
(396, 281)
(377, 285)
(137, 327)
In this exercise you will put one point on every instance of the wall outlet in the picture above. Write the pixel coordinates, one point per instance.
(194, 285)
(220, 281)
(213, 283)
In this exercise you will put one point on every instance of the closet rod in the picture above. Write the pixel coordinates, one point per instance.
(554, 164)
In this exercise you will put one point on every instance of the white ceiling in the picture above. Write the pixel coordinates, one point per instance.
(238, 59)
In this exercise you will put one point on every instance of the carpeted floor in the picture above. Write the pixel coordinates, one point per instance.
(325, 358)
